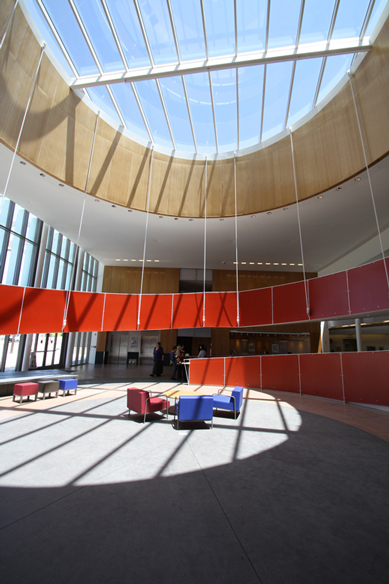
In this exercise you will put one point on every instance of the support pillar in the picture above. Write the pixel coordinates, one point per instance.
(358, 334)
(325, 337)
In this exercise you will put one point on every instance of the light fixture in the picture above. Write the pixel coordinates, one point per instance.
(292, 264)
(175, 218)
(61, 185)
(259, 263)
(160, 217)
(113, 206)
(41, 174)
(234, 263)
(156, 260)
(284, 264)
(285, 209)
(129, 210)
(133, 260)
(357, 179)
(141, 260)
(190, 219)
(299, 264)
(252, 263)
(243, 263)
(97, 200)
(125, 260)
(118, 260)
(269, 212)
(221, 219)
(338, 188)
(253, 216)
(148, 260)
(320, 197)
(22, 162)
(268, 264)
(276, 264)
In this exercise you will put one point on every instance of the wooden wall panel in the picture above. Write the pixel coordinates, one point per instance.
(283, 170)
(227, 191)
(214, 188)
(128, 280)
(193, 196)
(119, 178)
(220, 340)
(139, 180)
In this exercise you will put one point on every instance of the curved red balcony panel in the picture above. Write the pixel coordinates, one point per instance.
(289, 303)
(85, 312)
(11, 300)
(329, 296)
(220, 309)
(187, 310)
(120, 312)
(366, 377)
(43, 311)
(368, 287)
(207, 371)
(243, 371)
(321, 375)
(280, 372)
(156, 312)
(255, 307)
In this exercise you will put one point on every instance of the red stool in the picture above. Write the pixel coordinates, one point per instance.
(27, 389)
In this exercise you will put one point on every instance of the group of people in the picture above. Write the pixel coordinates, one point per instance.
(177, 355)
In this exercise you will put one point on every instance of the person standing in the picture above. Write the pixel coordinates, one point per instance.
(202, 352)
(173, 362)
(158, 361)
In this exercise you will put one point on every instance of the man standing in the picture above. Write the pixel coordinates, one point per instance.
(158, 361)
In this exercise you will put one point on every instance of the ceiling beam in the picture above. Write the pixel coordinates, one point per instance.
(294, 53)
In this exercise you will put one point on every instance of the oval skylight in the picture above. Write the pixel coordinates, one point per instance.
(206, 76)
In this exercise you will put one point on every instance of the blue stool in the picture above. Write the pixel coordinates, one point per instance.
(67, 384)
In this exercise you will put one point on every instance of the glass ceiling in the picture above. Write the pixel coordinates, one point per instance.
(206, 76)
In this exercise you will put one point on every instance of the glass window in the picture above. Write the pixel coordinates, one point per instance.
(284, 16)
(349, 19)
(129, 109)
(159, 32)
(67, 27)
(250, 82)
(316, 21)
(152, 107)
(18, 224)
(188, 23)
(199, 96)
(6, 209)
(220, 27)
(15, 247)
(225, 103)
(278, 77)
(306, 77)
(100, 96)
(174, 97)
(378, 7)
(127, 26)
(97, 27)
(27, 265)
(335, 68)
(251, 24)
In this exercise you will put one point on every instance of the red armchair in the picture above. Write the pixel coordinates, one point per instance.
(141, 402)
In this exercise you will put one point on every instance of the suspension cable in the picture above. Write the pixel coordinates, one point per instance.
(145, 238)
(369, 179)
(205, 236)
(43, 47)
(299, 225)
(236, 248)
(77, 255)
(9, 23)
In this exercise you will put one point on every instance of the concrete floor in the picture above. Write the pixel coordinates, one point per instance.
(293, 491)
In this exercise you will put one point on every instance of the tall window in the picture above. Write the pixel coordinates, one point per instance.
(19, 238)
(90, 268)
(58, 271)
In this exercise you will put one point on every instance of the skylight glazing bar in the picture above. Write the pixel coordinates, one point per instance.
(119, 113)
(174, 30)
(57, 38)
(263, 103)
(294, 53)
(237, 107)
(236, 28)
(366, 21)
(290, 94)
(189, 113)
(114, 34)
(213, 111)
(300, 23)
(205, 29)
(319, 81)
(144, 33)
(86, 36)
(166, 114)
(267, 26)
(333, 19)
(142, 113)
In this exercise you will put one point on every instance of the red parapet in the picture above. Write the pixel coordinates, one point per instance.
(328, 296)
(120, 312)
(187, 310)
(289, 303)
(85, 312)
(156, 312)
(207, 371)
(244, 371)
(11, 301)
(255, 307)
(43, 311)
(321, 375)
(368, 288)
(366, 377)
(280, 372)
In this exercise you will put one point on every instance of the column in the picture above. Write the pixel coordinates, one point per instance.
(325, 337)
(358, 334)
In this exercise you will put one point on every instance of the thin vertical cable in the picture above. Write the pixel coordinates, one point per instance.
(22, 126)
(77, 254)
(9, 23)
(205, 237)
(299, 224)
(370, 185)
(145, 240)
(236, 248)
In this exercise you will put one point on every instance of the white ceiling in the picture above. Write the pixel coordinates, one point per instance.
(331, 226)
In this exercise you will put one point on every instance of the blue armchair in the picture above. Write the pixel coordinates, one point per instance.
(194, 407)
(231, 402)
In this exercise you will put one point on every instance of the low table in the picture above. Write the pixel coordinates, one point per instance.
(48, 386)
